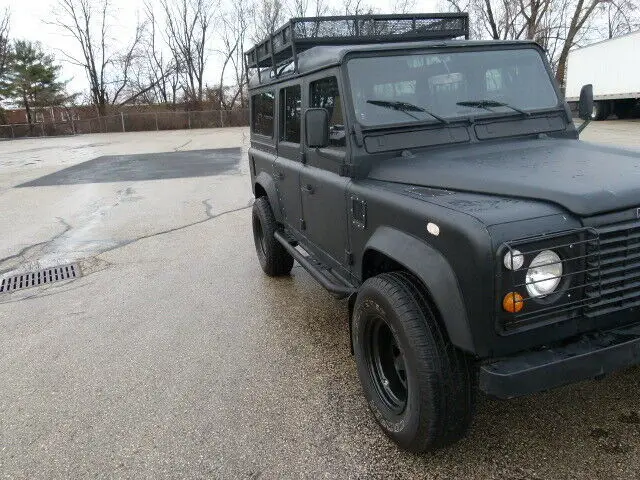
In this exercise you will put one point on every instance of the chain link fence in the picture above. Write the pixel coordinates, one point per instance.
(130, 122)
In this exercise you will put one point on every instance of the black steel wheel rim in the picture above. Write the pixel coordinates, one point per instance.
(386, 364)
(258, 233)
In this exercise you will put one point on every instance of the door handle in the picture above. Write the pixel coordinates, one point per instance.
(308, 189)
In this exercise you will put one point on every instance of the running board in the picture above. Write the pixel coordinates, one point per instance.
(316, 272)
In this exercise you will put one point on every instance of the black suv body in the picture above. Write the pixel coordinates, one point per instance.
(440, 185)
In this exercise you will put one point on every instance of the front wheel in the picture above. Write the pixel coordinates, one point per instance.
(418, 385)
(274, 259)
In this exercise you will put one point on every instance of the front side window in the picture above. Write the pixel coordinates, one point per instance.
(405, 88)
(290, 102)
(262, 113)
(325, 94)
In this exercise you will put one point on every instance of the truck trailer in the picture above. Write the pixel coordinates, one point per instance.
(612, 67)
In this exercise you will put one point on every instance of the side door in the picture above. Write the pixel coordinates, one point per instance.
(324, 205)
(263, 151)
(288, 163)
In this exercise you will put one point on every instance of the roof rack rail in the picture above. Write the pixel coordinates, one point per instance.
(299, 34)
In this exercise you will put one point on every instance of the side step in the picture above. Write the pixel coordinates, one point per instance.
(315, 270)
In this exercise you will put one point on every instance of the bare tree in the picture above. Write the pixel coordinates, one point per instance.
(230, 42)
(357, 7)
(241, 73)
(162, 72)
(108, 69)
(533, 13)
(235, 28)
(558, 25)
(268, 15)
(403, 6)
(502, 19)
(5, 45)
(5, 52)
(475, 11)
(308, 8)
(582, 10)
(188, 29)
(622, 16)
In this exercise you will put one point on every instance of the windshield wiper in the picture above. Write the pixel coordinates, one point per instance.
(488, 104)
(406, 108)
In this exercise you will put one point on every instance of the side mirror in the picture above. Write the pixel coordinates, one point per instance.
(316, 127)
(585, 107)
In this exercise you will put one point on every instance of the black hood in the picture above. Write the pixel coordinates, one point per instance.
(584, 178)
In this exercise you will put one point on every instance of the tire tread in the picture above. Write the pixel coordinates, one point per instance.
(276, 261)
(440, 363)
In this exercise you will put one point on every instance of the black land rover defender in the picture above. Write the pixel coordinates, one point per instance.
(439, 184)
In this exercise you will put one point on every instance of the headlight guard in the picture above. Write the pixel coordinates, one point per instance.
(578, 253)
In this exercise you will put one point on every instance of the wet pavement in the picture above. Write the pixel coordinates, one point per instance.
(173, 356)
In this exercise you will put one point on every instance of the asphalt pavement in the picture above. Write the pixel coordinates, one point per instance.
(173, 356)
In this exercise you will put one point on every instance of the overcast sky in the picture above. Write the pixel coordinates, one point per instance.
(28, 21)
(29, 17)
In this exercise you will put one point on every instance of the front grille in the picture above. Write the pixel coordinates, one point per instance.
(619, 286)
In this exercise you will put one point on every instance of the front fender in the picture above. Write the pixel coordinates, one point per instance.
(265, 181)
(430, 266)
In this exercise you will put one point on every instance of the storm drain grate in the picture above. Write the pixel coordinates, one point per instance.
(40, 277)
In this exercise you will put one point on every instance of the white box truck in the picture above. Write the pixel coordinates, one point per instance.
(613, 67)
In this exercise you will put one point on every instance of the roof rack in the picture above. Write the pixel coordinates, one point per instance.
(299, 34)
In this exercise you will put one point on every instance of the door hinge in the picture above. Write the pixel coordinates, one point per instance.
(348, 257)
(303, 224)
(357, 133)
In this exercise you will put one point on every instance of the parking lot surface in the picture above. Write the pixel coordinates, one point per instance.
(173, 356)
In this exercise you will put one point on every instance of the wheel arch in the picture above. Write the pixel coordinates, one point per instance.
(264, 186)
(389, 249)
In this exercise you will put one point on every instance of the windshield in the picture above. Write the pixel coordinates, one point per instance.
(417, 87)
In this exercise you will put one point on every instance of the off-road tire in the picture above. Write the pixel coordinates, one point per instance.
(274, 259)
(440, 395)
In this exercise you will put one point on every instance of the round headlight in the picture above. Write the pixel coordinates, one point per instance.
(513, 260)
(544, 274)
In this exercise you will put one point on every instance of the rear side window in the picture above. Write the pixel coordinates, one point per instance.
(262, 113)
(290, 102)
(325, 94)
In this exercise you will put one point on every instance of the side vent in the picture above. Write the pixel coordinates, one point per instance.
(358, 213)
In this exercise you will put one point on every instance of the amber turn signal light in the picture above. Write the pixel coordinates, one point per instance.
(513, 302)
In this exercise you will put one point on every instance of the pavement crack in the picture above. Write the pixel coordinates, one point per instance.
(67, 227)
(22, 253)
(183, 145)
(42, 292)
(210, 216)
(198, 222)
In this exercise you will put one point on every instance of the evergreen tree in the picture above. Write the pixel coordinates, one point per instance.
(32, 78)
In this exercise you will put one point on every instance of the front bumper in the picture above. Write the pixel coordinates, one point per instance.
(589, 356)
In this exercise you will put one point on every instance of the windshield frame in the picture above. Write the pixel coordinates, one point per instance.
(560, 105)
